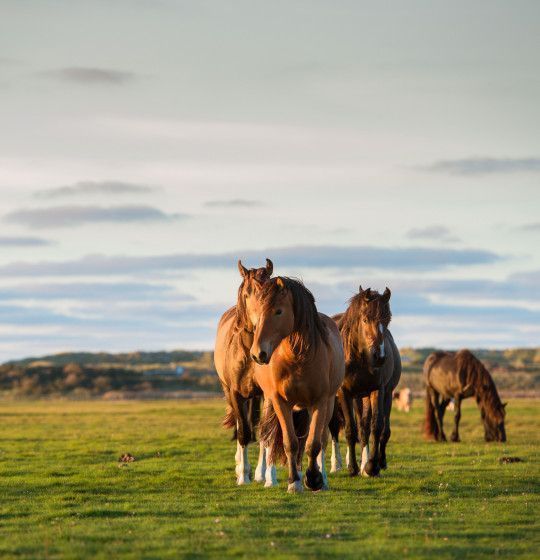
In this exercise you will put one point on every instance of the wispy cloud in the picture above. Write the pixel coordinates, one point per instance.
(435, 233)
(83, 188)
(485, 165)
(70, 216)
(23, 242)
(534, 226)
(234, 203)
(90, 76)
(293, 258)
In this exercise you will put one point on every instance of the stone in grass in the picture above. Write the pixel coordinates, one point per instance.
(507, 460)
(126, 458)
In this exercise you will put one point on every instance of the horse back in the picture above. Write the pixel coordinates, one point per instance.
(443, 374)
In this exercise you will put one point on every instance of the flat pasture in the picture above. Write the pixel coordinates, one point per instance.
(63, 493)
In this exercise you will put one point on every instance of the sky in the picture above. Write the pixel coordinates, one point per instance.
(146, 146)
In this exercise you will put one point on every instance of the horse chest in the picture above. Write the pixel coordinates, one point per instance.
(360, 381)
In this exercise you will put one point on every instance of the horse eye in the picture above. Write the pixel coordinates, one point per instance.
(365, 320)
(279, 312)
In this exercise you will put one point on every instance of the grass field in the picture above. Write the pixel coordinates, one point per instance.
(63, 493)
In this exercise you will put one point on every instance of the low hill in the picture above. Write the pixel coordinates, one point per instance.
(169, 373)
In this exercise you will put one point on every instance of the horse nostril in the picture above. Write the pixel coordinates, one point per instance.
(263, 357)
(254, 358)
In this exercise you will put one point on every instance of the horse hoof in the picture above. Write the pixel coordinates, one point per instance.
(295, 487)
(370, 470)
(454, 438)
(354, 471)
(243, 479)
(335, 468)
(259, 475)
(314, 480)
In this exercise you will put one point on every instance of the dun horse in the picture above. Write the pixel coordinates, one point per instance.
(235, 370)
(300, 366)
(451, 375)
(372, 372)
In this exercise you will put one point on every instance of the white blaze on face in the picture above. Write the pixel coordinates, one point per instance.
(381, 348)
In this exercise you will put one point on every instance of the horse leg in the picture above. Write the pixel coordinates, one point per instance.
(321, 457)
(376, 398)
(363, 408)
(351, 431)
(290, 441)
(314, 478)
(386, 429)
(266, 470)
(336, 462)
(243, 468)
(434, 396)
(457, 418)
(441, 409)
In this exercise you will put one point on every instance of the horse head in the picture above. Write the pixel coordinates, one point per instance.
(375, 316)
(252, 282)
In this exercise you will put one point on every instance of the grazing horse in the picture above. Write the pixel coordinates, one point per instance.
(235, 370)
(372, 372)
(459, 375)
(299, 366)
(403, 399)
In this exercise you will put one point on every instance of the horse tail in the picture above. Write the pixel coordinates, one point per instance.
(272, 436)
(229, 420)
(430, 424)
(336, 422)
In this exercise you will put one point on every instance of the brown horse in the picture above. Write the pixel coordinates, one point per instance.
(459, 375)
(235, 369)
(300, 366)
(372, 372)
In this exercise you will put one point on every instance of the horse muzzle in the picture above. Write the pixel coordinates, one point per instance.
(262, 358)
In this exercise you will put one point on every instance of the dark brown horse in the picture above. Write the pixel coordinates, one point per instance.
(372, 372)
(459, 375)
(299, 366)
(235, 369)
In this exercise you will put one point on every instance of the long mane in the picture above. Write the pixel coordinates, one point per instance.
(477, 376)
(349, 322)
(308, 331)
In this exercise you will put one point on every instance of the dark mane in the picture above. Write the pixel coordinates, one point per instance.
(309, 330)
(348, 324)
(477, 376)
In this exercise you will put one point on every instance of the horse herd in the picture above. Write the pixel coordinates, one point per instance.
(317, 375)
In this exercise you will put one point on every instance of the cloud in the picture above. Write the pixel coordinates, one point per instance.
(234, 203)
(23, 242)
(94, 187)
(68, 216)
(484, 166)
(534, 226)
(92, 291)
(292, 258)
(90, 76)
(435, 232)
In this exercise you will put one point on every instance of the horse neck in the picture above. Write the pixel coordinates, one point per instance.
(487, 396)
(356, 345)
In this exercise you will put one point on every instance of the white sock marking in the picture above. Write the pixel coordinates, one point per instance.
(322, 468)
(260, 471)
(335, 462)
(271, 474)
(347, 458)
(365, 457)
(243, 469)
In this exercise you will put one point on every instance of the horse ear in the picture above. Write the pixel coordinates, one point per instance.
(242, 269)
(269, 267)
(504, 404)
(386, 295)
(280, 283)
(367, 294)
(360, 289)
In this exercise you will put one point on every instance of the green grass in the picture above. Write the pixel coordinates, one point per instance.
(63, 495)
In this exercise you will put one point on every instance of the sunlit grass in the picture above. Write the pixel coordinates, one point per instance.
(63, 494)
